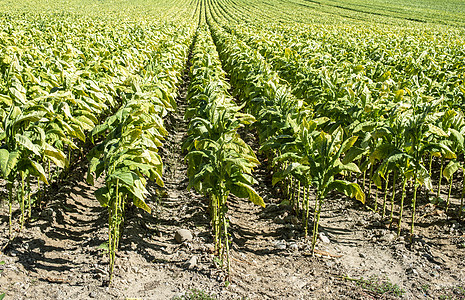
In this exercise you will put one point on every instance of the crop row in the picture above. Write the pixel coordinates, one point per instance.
(288, 134)
(405, 110)
(127, 155)
(360, 108)
(110, 84)
(219, 161)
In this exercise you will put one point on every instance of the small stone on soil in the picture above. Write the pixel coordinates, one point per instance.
(293, 247)
(323, 238)
(412, 271)
(281, 245)
(388, 237)
(192, 262)
(183, 235)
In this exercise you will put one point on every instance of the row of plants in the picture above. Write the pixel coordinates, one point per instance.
(402, 124)
(359, 13)
(220, 163)
(303, 153)
(109, 84)
(345, 63)
(50, 100)
(126, 154)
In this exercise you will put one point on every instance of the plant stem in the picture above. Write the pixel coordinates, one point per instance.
(122, 205)
(440, 176)
(22, 199)
(39, 194)
(385, 195)
(10, 209)
(461, 198)
(218, 224)
(370, 176)
(113, 232)
(298, 198)
(430, 164)
(226, 237)
(402, 204)
(316, 221)
(414, 201)
(29, 196)
(304, 205)
(450, 190)
(393, 195)
(307, 210)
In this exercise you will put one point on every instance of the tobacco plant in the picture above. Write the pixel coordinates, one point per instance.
(318, 159)
(219, 161)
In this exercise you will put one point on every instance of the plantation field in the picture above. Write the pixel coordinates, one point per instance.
(232, 149)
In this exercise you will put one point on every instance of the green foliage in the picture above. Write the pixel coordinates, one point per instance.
(298, 145)
(127, 151)
(455, 292)
(196, 294)
(219, 161)
(378, 285)
(339, 103)
(398, 107)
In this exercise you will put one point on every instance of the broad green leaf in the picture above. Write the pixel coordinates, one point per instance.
(347, 144)
(55, 155)
(84, 122)
(448, 153)
(158, 178)
(103, 196)
(27, 143)
(353, 154)
(351, 190)
(253, 196)
(138, 190)
(351, 167)
(436, 130)
(450, 169)
(458, 137)
(6, 100)
(288, 156)
(381, 152)
(38, 171)
(77, 132)
(8, 161)
(18, 95)
(99, 129)
(31, 117)
(125, 177)
(92, 168)
(423, 178)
